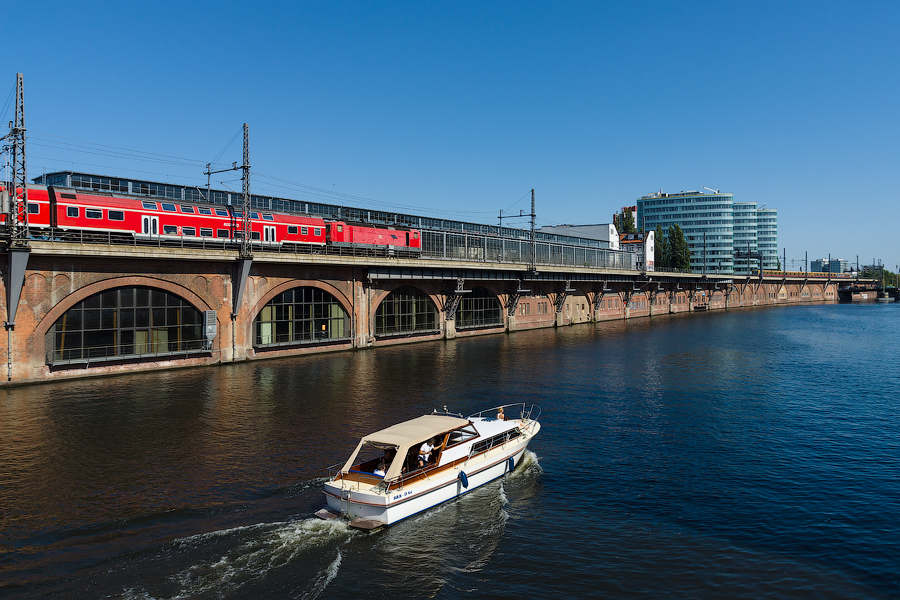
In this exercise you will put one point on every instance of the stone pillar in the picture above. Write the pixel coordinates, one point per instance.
(449, 328)
(511, 323)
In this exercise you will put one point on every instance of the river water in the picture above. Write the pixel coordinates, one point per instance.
(735, 454)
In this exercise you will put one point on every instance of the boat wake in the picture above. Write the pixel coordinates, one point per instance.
(232, 558)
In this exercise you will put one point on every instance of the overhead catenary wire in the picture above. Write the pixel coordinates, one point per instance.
(52, 141)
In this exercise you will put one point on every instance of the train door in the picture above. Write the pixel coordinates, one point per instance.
(407, 239)
(269, 233)
(150, 225)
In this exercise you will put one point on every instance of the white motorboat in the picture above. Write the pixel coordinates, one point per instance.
(410, 467)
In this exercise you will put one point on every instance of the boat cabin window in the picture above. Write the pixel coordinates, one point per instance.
(461, 435)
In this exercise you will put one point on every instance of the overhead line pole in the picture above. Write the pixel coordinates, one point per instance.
(533, 239)
(17, 220)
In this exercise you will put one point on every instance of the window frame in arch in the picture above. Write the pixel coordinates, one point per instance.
(473, 310)
(276, 324)
(410, 313)
(126, 323)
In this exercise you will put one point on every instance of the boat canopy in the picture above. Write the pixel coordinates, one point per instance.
(403, 436)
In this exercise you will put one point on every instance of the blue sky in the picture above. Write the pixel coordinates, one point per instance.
(459, 109)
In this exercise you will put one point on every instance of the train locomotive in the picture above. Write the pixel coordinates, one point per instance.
(63, 213)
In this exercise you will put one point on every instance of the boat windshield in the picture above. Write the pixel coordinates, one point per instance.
(374, 459)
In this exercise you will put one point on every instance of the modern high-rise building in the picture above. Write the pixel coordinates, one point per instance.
(716, 228)
(707, 221)
(767, 238)
(746, 252)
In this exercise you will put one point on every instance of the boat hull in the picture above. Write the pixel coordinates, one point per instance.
(398, 504)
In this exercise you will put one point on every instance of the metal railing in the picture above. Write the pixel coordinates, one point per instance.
(87, 355)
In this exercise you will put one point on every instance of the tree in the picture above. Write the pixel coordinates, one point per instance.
(679, 254)
(660, 249)
(627, 222)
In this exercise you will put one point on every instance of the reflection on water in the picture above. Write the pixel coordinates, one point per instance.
(735, 454)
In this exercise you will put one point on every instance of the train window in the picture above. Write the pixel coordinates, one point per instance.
(415, 235)
(205, 232)
(222, 233)
(304, 231)
(238, 214)
(340, 228)
(69, 196)
(268, 217)
(254, 235)
(168, 207)
(317, 231)
(148, 205)
(116, 215)
(187, 209)
(220, 212)
(204, 211)
(33, 209)
(189, 231)
(92, 213)
(292, 230)
(170, 230)
(72, 211)
(254, 215)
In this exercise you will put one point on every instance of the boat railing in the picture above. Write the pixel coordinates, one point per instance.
(334, 470)
(525, 411)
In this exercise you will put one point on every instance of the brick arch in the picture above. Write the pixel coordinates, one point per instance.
(500, 303)
(379, 296)
(109, 284)
(338, 295)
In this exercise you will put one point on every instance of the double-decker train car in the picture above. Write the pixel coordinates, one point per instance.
(70, 211)
(149, 219)
(366, 236)
(39, 209)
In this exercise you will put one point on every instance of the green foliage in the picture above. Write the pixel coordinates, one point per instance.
(628, 222)
(679, 254)
(661, 249)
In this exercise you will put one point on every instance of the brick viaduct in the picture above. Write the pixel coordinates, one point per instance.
(59, 276)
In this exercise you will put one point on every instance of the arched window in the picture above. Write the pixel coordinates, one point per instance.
(301, 315)
(126, 322)
(481, 308)
(406, 310)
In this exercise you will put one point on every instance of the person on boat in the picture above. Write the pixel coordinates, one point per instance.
(379, 470)
(425, 453)
(500, 415)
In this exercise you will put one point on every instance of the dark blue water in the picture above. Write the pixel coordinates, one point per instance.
(745, 454)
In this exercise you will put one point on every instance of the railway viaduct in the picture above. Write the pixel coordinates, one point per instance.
(95, 309)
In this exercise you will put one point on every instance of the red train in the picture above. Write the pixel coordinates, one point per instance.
(68, 210)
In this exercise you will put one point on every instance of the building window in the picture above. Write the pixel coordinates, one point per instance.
(301, 315)
(478, 309)
(406, 310)
(125, 322)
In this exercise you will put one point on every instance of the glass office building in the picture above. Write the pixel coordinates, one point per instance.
(715, 227)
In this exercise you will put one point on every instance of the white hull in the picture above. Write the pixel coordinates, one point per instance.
(366, 502)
